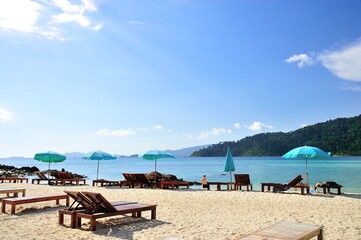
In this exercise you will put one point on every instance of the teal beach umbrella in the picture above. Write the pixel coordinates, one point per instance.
(229, 165)
(49, 157)
(154, 155)
(306, 152)
(98, 155)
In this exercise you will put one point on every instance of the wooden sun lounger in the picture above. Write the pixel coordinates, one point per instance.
(173, 184)
(13, 179)
(286, 230)
(22, 200)
(294, 183)
(100, 207)
(84, 203)
(138, 179)
(67, 178)
(42, 178)
(15, 191)
(135, 209)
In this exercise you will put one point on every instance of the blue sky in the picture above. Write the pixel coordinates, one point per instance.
(128, 76)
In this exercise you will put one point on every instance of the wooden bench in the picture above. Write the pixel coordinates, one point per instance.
(218, 184)
(15, 191)
(135, 209)
(13, 179)
(286, 230)
(22, 200)
(173, 184)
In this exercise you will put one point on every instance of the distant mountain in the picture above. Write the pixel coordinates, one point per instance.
(186, 152)
(341, 136)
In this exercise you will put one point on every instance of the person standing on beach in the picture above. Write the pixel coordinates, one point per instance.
(204, 181)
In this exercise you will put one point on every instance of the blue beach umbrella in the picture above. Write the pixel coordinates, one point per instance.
(154, 155)
(98, 155)
(306, 152)
(49, 157)
(229, 165)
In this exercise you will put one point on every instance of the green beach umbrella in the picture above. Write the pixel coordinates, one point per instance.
(154, 155)
(49, 157)
(229, 165)
(98, 155)
(306, 152)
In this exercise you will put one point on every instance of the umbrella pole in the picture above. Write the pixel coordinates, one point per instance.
(155, 165)
(49, 170)
(308, 181)
(230, 176)
(98, 169)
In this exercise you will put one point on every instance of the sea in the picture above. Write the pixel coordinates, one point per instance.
(343, 170)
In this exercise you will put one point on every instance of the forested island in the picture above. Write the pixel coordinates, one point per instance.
(341, 136)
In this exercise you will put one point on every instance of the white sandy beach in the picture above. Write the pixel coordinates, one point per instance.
(186, 214)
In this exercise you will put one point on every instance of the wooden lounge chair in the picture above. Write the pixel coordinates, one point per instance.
(107, 209)
(42, 178)
(138, 179)
(242, 180)
(67, 178)
(286, 230)
(84, 202)
(295, 183)
(173, 184)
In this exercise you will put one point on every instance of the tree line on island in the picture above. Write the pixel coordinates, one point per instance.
(341, 136)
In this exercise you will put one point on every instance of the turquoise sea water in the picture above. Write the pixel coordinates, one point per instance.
(343, 170)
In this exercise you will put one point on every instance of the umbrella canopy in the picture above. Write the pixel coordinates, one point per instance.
(306, 152)
(49, 157)
(229, 164)
(98, 155)
(154, 155)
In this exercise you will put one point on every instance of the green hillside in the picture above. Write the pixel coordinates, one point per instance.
(341, 136)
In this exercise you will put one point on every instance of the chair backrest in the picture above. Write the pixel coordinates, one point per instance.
(101, 204)
(141, 178)
(242, 179)
(56, 175)
(65, 175)
(41, 176)
(130, 177)
(79, 200)
(294, 181)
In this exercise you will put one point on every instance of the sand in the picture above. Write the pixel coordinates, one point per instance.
(186, 214)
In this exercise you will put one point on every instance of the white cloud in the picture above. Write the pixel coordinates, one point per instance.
(237, 125)
(39, 17)
(345, 63)
(353, 88)
(5, 115)
(258, 126)
(135, 22)
(302, 59)
(214, 132)
(116, 133)
(189, 136)
(158, 127)
(75, 13)
(19, 15)
(303, 125)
